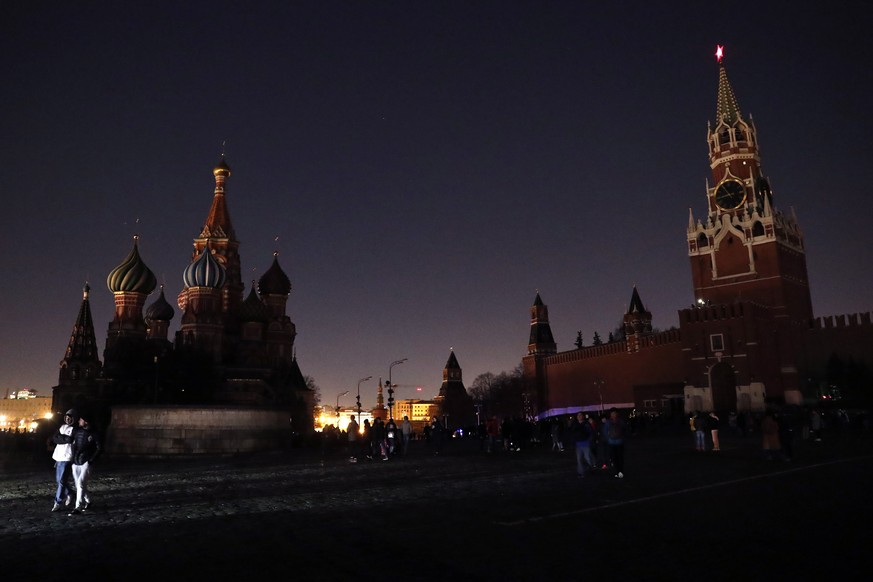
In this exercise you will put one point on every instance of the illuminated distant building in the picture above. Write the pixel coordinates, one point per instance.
(23, 413)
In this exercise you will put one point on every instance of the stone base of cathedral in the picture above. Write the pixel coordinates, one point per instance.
(163, 431)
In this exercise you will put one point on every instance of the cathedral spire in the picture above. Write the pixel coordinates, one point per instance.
(83, 345)
(81, 359)
(218, 223)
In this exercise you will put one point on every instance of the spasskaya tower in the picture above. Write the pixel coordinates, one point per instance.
(745, 249)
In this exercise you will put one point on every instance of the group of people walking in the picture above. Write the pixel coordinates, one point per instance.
(77, 446)
(380, 440)
(597, 444)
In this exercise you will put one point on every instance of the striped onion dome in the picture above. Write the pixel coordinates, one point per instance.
(274, 281)
(253, 309)
(132, 275)
(204, 272)
(160, 310)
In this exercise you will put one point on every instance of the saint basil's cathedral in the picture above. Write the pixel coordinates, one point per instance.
(227, 350)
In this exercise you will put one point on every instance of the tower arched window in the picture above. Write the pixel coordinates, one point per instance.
(702, 241)
(757, 229)
(725, 137)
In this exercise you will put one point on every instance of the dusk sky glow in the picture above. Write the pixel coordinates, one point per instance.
(426, 166)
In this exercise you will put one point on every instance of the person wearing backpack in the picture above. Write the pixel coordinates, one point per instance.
(615, 430)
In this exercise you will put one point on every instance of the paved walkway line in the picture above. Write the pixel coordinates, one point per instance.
(577, 512)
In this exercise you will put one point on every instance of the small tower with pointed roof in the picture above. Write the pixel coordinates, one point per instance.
(637, 322)
(81, 360)
(455, 404)
(80, 369)
(541, 341)
(540, 346)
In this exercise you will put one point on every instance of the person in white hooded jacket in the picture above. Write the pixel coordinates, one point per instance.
(63, 457)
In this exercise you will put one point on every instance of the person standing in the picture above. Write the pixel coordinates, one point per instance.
(815, 425)
(557, 437)
(581, 433)
(436, 435)
(713, 429)
(367, 441)
(770, 437)
(492, 429)
(86, 448)
(406, 433)
(699, 431)
(391, 436)
(378, 443)
(352, 432)
(63, 456)
(615, 431)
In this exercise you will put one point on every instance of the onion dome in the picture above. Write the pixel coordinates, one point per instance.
(274, 281)
(132, 275)
(253, 309)
(160, 310)
(204, 272)
(221, 168)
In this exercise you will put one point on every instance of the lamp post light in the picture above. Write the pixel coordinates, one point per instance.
(359, 397)
(391, 388)
(337, 406)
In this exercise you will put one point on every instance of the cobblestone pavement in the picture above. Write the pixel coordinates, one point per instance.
(507, 516)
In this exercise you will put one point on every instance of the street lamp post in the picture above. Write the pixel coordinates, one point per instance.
(598, 383)
(391, 388)
(359, 397)
(337, 406)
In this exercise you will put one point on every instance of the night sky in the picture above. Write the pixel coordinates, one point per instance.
(426, 166)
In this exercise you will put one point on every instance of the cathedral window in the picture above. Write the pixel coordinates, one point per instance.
(702, 241)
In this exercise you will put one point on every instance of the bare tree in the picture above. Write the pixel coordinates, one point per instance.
(316, 391)
(483, 386)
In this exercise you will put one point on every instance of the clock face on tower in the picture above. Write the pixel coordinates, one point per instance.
(730, 194)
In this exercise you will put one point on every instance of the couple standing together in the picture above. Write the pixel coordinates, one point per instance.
(76, 447)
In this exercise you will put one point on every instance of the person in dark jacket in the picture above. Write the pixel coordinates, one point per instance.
(86, 448)
(379, 436)
(580, 431)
